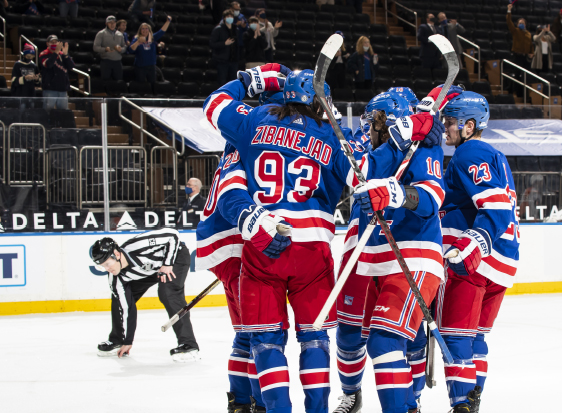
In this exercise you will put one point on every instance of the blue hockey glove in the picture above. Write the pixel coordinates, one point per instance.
(267, 232)
(267, 78)
(419, 127)
(467, 251)
(377, 194)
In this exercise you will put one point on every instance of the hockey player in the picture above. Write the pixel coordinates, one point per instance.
(296, 168)
(411, 205)
(135, 266)
(481, 225)
(219, 250)
(351, 353)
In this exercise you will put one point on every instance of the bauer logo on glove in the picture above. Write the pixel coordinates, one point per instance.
(267, 232)
(467, 251)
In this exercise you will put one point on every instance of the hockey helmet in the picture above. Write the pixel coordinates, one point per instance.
(103, 249)
(299, 87)
(406, 93)
(391, 103)
(466, 106)
(267, 98)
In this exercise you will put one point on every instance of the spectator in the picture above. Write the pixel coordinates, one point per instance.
(30, 7)
(110, 45)
(194, 203)
(3, 6)
(429, 53)
(68, 6)
(55, 66)
(241, 22)
(254, 44)
(363, 64)
(336, 72)
(144, 47)
(142, 11)
(25, 76)
(122, 27)
(522, 47)
(542, 60)
(223, 46)
(556, 26)
(270, 31)
(451, 29)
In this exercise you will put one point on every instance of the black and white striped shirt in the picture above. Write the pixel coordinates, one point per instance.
(147, 252)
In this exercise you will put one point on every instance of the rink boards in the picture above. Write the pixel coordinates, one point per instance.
(45, 273)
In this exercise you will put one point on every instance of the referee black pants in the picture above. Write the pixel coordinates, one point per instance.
(171, 294)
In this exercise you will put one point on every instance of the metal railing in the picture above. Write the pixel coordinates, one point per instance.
(387, 12)
(202, 167)
(26, 154)
(524, 83)
(31, 43)
(472, 57)
(87, 76)
(4, 39)
(126, 175)
(163, 187)
(537, 192)
(144, 131)
(62, 174)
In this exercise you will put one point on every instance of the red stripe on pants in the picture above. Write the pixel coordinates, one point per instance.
(315, 378)
(273, 378)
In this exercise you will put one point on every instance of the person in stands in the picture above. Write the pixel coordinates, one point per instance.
(363, 64)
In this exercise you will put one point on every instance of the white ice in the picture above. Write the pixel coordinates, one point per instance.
(48, 363)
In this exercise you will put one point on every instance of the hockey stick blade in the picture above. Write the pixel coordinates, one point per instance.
(452, 60)
(189, 306)
(327, 54)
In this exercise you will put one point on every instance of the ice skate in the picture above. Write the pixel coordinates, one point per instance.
(184, 353)
(255, 408)
(474, 399)
(235, 407)
(108, 349)
(460, 408)
(350, 403)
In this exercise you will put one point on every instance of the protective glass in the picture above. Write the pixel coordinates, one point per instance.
(450, 121)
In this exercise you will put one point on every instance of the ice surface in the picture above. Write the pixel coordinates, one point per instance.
(48, 363)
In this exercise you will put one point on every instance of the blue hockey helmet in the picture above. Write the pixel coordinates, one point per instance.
(406, 93)
(392, 104)
(466, 106)
(267, 98)
(299, 87)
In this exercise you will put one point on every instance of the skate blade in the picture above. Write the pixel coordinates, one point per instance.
(112, 353)
(189, 357)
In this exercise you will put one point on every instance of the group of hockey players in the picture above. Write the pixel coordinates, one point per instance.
(268, 222)
(266, 229)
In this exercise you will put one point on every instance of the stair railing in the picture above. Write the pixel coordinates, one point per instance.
(415, 13)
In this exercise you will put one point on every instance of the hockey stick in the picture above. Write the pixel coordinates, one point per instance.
(189, 306)
(430, 366)
(326, 55)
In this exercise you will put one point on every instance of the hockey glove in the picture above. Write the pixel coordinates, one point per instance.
(378, 194)
(471, 246)
(427, 102)
(419, 127)
(267, 78)
(267, 232)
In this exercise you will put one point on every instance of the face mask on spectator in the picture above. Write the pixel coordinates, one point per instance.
(521, 26)
(236, 13)
(53, 47)
(229, 20)
(253, 26)
(444, 21)
(188, 190)
(366, 48)
(433, 20)
(262, 16)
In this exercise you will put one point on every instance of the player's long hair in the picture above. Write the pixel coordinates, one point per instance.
(295, 110)
(379, 123)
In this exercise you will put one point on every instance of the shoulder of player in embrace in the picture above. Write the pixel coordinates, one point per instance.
(295, 140)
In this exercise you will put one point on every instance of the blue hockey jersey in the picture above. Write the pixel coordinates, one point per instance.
(417, 233)
(295, 168)
(217, 238)
(480, 193)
